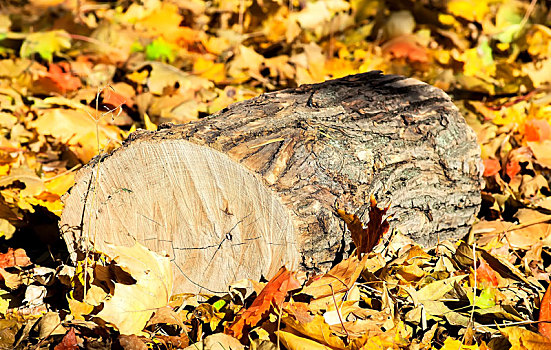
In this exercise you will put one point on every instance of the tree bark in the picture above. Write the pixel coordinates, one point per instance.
(256, 185)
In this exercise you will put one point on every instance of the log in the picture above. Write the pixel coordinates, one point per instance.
(256, 185)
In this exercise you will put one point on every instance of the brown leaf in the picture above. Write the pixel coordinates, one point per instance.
(523, 339)
(367, 238)
(340, 278)
(69, 341)
(132, 342)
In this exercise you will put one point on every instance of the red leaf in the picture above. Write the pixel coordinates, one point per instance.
(113, 98)
(406, 46)
(537, 130)
(273, 294)
(491, 167)
(69, 341)
(60, 74)
(512, 168)
(13, 258)
(544, 327)
(365, 239)
(486, 275)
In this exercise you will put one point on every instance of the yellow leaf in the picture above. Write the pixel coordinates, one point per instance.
(6, 229)
(79, 309)
(4, 169)
(149, 125)
(133, 304)
(246, 63)
(45, 44)
(316, 329)
(468, 9)
(33, 184)
(209, 70)
(77, 129)
(294, 342)
(60, 184)
(454, 344)
(162, 21)
(523, 339)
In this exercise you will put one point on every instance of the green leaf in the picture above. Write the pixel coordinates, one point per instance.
(485, 300)
(46, 44)
(159, 49)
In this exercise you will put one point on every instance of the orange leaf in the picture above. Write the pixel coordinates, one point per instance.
(60, 74)
(491, 167)
(367, 238)
(486, 275)
(537, 130)
(113, 98)
(12, 258)
(544, 327)
(273, 294)
(512, 168)
(406, 47)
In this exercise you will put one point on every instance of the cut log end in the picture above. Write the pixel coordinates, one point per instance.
(256, 186)
(212, 216)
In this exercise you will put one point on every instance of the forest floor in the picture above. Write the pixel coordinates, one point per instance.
(78, 76)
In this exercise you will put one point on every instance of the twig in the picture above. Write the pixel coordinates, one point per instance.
(338, 312)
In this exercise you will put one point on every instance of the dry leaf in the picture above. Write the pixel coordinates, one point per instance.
(133, 304)
(273, 294)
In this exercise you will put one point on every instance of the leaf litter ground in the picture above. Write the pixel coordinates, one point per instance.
(76, 77)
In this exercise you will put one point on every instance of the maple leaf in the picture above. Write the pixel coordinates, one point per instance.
(367, 238)
(273, 294)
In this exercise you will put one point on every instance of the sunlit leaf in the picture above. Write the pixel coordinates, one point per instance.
(46, 44)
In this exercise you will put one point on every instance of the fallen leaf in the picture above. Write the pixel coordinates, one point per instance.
(76, 128)
(485, 275)
(69, 341)
(132, 305)
(544, 325)
(45, 44)
(340, 278)
(316, 329)
(33, 184)
(14, 257)
(454, 344)
(61, 77)
(542, 152)
(491, 167)
(273, 294)
(294, 342)
(406, 47)
(367, 238)
(537, 130)
(523, 339)
(221, 341)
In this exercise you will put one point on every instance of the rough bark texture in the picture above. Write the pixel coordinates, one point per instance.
(257, 184)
